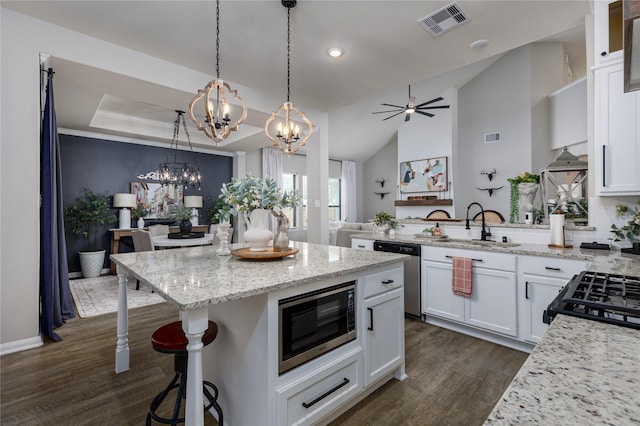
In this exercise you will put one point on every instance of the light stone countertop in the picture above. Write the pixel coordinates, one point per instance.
(582, 372)
(606, 261)
(194, 277)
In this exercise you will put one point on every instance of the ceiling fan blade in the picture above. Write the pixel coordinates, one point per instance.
(393, 110)
(395, 106)
(425, 113)
(429, 102)
(391, 116)
(407, 117)
(434, 107)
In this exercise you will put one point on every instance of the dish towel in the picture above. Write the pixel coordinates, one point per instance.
(461, 283)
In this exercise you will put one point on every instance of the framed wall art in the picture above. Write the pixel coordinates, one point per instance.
(430, 175)
(159, 200)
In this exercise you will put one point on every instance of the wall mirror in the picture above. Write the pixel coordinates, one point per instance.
(631, 17)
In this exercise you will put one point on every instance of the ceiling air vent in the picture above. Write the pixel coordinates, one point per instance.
(444, 19)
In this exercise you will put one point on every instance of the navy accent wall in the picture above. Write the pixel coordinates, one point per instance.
(108, 166)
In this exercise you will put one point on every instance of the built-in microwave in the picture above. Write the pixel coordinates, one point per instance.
(314, 323)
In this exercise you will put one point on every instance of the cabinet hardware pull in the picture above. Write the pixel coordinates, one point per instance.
(345, 382)
(604, 165)
(360, 246)
(387, 281)
(370, 327)
(475, 260)
(526, 289)
(551, 269)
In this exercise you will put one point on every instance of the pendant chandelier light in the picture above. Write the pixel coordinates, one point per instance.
(215, 98)
(282, 129)
(173, 173)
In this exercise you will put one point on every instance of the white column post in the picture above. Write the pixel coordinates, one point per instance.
(194, 324)
(122, 330)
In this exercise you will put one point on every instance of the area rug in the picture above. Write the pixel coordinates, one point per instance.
(97, 296)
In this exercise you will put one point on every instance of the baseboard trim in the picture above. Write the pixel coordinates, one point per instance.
(20, 345)
(78, 274)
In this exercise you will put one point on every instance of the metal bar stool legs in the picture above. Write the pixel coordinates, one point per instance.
(171, 339)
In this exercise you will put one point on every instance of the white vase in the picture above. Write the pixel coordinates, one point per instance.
(91, 263)
(140, 223)
(257, 236)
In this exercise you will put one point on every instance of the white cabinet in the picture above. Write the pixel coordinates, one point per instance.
(362, 244)
(492, 305)
(382, 323)
(617, 134)
(312, 397)
(539, 281)
(607, 19)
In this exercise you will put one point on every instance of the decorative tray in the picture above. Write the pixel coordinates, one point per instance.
(431, 237)
(178, 236)
(246, 253)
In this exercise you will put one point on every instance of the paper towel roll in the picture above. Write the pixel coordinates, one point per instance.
(556, 226)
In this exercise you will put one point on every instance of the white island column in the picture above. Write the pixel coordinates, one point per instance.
(194, 324)
(122, 329)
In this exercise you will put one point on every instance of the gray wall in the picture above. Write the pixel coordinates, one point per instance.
(108, 166)
(509, 97)
(384, 164)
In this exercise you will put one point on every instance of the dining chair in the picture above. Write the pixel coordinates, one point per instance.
(142, 242)
(158, 230)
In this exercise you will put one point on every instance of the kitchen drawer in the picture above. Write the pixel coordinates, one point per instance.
(321, 392)
(483, 259)
(551, 267)
(382, 282)
(358, 243)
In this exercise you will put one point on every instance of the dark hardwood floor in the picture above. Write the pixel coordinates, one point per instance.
(453, 379)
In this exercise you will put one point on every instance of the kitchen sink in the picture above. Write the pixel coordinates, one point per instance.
(484, 243)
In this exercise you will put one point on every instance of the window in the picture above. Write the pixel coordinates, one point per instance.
(289, 185)
(334, 199)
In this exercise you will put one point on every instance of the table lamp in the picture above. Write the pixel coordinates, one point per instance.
(126, 201)
(194, 202)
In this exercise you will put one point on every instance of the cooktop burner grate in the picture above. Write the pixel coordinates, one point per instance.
(603, 297)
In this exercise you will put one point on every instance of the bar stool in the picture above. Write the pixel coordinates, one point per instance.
(170, 339)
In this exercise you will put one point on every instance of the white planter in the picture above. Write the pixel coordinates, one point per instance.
(258, 235)
(91, 263)
(140, 223)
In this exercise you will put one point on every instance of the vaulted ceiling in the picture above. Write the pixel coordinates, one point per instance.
(385, 49)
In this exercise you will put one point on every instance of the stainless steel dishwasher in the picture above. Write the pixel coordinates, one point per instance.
(411, 273)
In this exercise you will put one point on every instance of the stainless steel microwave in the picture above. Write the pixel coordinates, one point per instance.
(314, 323)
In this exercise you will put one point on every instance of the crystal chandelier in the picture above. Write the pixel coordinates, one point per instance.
(282, 129)
(173, 173)
(215, 98)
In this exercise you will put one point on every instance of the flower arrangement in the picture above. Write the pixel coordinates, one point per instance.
(525, 177)
(139, 211)
(182, 213)
(631, 230)
(249, 193)
(382, 218)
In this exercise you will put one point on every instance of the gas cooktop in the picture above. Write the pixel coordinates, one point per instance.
(609, 298)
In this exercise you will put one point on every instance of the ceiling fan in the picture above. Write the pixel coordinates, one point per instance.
(410, 108)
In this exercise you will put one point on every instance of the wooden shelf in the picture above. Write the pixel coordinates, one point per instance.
(424, 202)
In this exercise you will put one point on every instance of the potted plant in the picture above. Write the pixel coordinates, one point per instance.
(524, 188)
(86, 216)
(255, 197)
(382, 220)
(183, 214)
(139, 213)
(630, 231)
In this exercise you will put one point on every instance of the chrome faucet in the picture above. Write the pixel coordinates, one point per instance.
(484, 233)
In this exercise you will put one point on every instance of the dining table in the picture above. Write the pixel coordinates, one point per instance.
(163, 241)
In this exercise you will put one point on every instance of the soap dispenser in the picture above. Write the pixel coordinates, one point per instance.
(437, 232)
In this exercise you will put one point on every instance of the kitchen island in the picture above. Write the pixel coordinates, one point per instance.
(242, 297)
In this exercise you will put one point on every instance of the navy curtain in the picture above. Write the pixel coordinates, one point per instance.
(56, 304)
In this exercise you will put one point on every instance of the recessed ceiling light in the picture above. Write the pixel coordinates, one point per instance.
(335, 52)
(478, 44)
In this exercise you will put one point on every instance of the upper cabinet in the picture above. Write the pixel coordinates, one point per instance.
(616, 125)
(608, 31)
